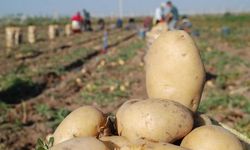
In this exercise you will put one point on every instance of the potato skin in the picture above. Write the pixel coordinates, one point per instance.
(123, 108)
(115, 142)
(84, 143)
(174, 69)
(162, 146)
(211, 137)
(82, 122)
(145, 145)
(122, 143)
(154, 120)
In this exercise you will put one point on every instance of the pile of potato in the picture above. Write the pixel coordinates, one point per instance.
(13, 36)
(167, 120)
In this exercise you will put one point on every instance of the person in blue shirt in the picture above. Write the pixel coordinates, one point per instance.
(172, 16)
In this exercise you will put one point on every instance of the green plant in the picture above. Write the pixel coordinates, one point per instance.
(44, 110)
(104, 91)
(58, 116)
(13, 79)
(17, 124)
(4, 109)
(44, 145)
(217, 99)
(244, 126)
(212, 101)
(221, 81)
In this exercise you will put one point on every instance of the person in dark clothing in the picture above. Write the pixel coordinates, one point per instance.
(101, 24)
(185, 24)
(87, 20)
(131, 24)
(172, 16)
(119, 23)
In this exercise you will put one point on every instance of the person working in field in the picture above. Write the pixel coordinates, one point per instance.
(119, 23)
(101, 24)
(159, 14)
(173, 16)
(87, 21)
(148, 23)
(185, 24)
(77, 22)
(105, 42)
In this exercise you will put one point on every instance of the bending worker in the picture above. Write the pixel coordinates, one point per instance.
(173, 16)
(77, 22)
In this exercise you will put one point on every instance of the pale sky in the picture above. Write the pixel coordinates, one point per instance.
(110, 7)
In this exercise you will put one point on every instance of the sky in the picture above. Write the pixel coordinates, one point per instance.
(110, 7)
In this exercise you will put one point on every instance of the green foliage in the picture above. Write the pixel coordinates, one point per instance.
(212, 101)
(126, 53)
(17, 124)
(27, 49)
(12, 80)
(244, 126)
(4, 109)
(44, 110)
(130, 51)
(55, 116)
(107, 89)
(58, 116)
(44, 145)
(225, 65)
(104, 91)
(221, 80)
(222, 99)
(220, 59)
(210, 27)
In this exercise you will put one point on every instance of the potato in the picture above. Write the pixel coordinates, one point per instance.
(115, 141)
(211, 137)
(153, 120)
(84, 121)
(121, 143)
(145, 145)
(32, 37)
(161, 146)
(124, 107)
(84, 143)
(174, 69)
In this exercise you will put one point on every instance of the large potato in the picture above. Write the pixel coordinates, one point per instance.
(84, 143)
(174, 69)
(124, 108)
(211, 137)
(145, 145)
(121, 143)
(154, 120)
(84, 121)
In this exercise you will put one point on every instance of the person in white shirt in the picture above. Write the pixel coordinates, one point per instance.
(159, 14)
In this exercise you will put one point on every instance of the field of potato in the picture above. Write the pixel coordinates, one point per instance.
(41, 83)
